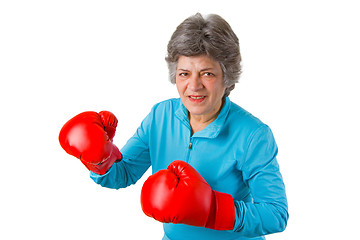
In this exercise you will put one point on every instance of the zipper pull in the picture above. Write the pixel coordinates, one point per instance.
(190, 145)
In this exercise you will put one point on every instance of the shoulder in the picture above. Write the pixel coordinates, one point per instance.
(164, 110)
(168, 103)
(245, 126)
(161, 113)
(249, 132)
(242, 118)
(166, 106)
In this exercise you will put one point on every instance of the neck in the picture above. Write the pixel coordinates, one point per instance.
(199, 122)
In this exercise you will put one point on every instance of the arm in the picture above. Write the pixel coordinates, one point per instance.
(268, 213)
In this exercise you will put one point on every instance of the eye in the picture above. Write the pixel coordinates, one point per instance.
(183, 74)
(209, 74)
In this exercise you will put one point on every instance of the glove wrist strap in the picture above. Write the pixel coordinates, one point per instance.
(222, 212)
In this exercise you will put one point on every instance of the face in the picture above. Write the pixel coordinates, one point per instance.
(199, 81)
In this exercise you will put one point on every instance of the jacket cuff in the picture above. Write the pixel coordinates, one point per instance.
(222, 214)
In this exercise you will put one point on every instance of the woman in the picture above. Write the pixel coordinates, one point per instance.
(234, 152)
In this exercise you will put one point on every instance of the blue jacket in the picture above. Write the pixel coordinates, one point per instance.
(235, 154)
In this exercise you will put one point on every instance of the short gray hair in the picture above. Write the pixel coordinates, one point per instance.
(212, 36)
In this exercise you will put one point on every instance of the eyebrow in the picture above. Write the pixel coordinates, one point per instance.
(202, 70)
(206, 69)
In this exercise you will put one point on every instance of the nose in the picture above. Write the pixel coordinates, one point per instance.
(195, 83)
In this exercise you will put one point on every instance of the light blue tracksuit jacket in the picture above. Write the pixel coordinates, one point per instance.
(235, 154)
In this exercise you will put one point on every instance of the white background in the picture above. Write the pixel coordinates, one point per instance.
(60, 58)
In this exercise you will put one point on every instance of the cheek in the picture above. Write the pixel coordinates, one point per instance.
(180, 88)
(216, 88)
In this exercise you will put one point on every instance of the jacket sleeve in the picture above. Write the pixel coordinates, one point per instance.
(135, 162)
(268, 211)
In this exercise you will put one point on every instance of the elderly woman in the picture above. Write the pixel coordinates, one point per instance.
(227, 184)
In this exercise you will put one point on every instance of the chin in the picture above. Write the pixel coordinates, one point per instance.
(196, 111)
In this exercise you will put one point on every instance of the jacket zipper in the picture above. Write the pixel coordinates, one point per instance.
(189, 150)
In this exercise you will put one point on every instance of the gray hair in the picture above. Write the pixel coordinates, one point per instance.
(212, 36)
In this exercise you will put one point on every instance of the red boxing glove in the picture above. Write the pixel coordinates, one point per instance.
(179, 194)
(88, 136)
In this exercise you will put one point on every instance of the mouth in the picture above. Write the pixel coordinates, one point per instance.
(196, 98)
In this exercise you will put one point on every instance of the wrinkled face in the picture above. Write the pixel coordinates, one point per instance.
(199, 81)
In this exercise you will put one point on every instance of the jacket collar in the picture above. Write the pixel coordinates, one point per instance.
(213, 129)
